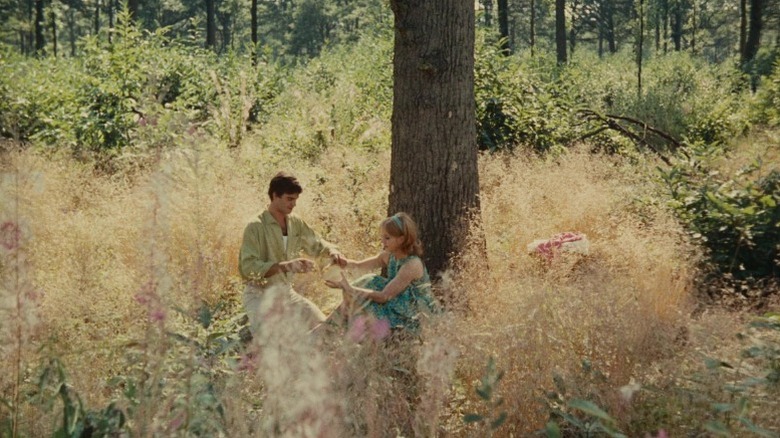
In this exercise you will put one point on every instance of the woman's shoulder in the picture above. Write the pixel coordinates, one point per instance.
(412, 263)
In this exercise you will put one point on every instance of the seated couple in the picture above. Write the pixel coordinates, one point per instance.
(269, 258)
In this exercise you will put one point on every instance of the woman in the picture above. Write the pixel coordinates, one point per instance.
(405, 294)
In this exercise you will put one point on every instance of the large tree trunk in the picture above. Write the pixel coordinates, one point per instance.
(433, 169)
(40, 43)
(754, 31)
(211, 24)
(560, 30)
(503, 26)
(665, 6)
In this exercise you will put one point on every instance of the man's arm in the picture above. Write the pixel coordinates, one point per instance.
(253, 259)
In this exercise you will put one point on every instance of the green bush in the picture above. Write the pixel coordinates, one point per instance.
(737, 220)
(766, 106)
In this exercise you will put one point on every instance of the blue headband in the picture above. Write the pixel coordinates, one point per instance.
(398, 222)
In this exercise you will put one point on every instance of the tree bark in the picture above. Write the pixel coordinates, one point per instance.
(433, 169)
(560, 31)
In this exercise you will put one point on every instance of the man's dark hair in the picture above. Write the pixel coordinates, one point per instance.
(284, 184)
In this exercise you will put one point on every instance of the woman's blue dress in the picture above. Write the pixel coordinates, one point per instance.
(404, 310)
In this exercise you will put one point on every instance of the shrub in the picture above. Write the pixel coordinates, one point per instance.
(735, 219)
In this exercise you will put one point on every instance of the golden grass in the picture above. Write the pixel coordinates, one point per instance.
(110, 251)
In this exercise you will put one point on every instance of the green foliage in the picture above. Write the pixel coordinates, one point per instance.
(766, 108)
(77, 421)
(516, 107)
(492, 418)
(738, 219)
(573, 413)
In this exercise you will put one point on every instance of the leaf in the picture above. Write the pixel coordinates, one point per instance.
(715, 363)
(591, 409)
(756, 429)
(495, 424)
(722, 407)
(552, 430)
(204, 317)
(717, 428)
(472, 418)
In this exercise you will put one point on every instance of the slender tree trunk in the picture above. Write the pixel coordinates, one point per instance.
(742, 27)
(611, 29)
(110, 7)
(754, 31)
(677, 26)
(211, 24)
(560, 31)
(666, 25)
(40, 42)
(72, 30)
(693, 28)
(503, 26)
(639, 47)
(254, 32)
(533, 27)
(133, 7)
(53, 23)
(488, 5)
(31, 30)
(433, 168)
(97, 17)
(657, 32)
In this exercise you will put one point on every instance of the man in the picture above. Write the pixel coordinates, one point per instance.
(270, 252)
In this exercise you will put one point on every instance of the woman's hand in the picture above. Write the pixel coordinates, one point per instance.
(342, 284)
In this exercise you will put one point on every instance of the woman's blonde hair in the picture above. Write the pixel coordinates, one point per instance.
(402, 225)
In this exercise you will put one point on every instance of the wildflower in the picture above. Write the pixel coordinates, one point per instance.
(157, 315)
(10, 235)
(379, 329)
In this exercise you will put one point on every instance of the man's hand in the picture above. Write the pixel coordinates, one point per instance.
(338, 259)
(297, 265)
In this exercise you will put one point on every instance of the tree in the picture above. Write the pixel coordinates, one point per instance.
(754, 32)
(433, 167)
(39, 24)
(211, 24)
(503, 26)
(560, 30)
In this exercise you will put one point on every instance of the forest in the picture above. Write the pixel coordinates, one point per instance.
(137, 140)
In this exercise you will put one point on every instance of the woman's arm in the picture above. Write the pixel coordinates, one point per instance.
(376, 262)
(406, 275)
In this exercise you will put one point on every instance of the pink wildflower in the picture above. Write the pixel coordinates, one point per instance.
(157, 315)
(10, 235)
(379, 329)
(357, 331)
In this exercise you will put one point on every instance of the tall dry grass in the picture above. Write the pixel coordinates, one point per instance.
(124, 260)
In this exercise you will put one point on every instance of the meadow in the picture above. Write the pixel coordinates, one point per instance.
(121, 296)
